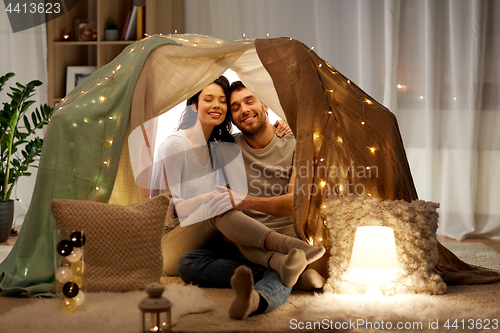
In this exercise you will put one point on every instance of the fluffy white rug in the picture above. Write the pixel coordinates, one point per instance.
(101, 312)
(413, 313)
(406, 313)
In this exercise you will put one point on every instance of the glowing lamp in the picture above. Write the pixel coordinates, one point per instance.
(374, 259)
(155, 310)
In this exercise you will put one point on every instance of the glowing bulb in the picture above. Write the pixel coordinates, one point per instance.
(311, 241)
(118, 67)
(175, 31)
(368, 101)
(421, 97)
(321, 159)
(110, 117)
(399, 86)
(132, 50)
(105, 162)
(312, 48)
(330, 112)
(102, 98)
(324, 206)
(110, 142)
(362, 123)
(97, 188)
(322, 183)
(339, 139)
(349, 81)
(372, 150)
(320, 65)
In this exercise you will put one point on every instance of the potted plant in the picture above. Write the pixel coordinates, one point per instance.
(111, 30)
(19, 145)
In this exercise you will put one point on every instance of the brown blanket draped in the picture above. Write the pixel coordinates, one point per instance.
(340, 132)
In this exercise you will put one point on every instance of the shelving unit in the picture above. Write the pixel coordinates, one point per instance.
(162, 16)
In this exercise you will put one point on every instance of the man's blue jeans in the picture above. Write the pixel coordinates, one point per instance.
(214, 268)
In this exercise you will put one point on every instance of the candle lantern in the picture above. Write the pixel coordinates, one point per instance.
(155, 310)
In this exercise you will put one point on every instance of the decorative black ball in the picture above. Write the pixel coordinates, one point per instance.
(77, 238)
(64, 248)
(70, 289)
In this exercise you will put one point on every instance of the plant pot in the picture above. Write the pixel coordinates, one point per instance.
(6, 219)
(111, 34)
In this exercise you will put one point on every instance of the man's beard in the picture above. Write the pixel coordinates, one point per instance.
(255, 131)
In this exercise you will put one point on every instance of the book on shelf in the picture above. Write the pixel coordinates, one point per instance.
(131, 29)
(141, 22)
(125, 25)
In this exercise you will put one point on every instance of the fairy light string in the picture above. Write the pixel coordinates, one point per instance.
(110, 116)
(320, 235)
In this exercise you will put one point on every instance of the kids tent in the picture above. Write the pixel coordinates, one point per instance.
(86, 155)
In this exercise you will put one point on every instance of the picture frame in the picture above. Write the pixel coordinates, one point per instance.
(76, 74)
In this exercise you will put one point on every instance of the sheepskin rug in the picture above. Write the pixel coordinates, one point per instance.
(400, 313)
(102, 312)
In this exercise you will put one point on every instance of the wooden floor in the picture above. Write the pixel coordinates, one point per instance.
(494, 244)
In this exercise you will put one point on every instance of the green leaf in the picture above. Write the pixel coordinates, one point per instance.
(26, 105)
(27, 123)
(33, 119)
(14, 97)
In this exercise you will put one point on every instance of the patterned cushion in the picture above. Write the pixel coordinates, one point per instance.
(123, 243)
(414, 224)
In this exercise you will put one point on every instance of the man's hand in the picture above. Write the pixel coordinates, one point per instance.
(224, 201)
(281, 128)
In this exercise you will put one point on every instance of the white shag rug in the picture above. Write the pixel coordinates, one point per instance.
(405, 313)
(402, 313)
(101, 312)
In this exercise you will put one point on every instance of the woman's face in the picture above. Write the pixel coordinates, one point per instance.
(212, 106)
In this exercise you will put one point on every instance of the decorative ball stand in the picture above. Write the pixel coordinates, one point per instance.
(70, 268)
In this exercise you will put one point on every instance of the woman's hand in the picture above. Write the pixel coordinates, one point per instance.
(281, 128)
(209, 196)
(224, 201)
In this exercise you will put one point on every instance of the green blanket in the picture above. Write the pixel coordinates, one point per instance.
(79, 161)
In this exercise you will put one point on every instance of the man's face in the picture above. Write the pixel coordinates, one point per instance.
(248, 113)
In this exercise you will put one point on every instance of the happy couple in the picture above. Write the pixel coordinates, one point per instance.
(259, 255)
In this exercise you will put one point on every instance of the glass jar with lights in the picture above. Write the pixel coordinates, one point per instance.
(155, 310)
(70, 268)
